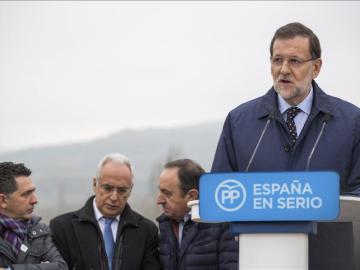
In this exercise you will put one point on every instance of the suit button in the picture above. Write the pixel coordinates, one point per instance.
(287, 148)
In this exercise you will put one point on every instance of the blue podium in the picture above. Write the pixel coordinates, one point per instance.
(273, 213)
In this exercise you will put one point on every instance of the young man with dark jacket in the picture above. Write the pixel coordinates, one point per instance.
(25, 243)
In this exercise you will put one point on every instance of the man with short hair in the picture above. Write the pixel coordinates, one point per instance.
(185, 244)
(308, 130)
(106, 234)
(25, 243)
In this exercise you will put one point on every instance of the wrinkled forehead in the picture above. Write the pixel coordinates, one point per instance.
(295, 46)
(116, 174)
(169, 179)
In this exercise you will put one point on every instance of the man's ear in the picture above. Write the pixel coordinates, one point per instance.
(192, 194)
(94, 183)
(3, 201)
(317, 68)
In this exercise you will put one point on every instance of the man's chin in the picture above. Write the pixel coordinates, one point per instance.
(112, 214)
(26, 217)
(287, 94)
(167, 214)
(284, 91)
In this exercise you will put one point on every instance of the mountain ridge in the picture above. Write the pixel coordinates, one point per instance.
(63, 173)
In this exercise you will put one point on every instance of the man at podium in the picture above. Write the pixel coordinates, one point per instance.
(296, 126)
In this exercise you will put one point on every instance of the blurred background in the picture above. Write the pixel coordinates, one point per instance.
(153, 80)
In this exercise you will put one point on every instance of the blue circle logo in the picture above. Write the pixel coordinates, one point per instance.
(230, 195)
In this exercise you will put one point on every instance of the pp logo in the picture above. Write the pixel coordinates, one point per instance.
(230, 195)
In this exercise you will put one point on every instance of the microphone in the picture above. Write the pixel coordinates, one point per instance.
(269, 118)
(325, 120)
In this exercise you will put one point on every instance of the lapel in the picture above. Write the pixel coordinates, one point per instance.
(268, 104)
(191, 232)
(89, 240)
(320, 107)
(88, 235)
(127, 219)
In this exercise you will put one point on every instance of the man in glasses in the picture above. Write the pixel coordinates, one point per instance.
(25, 242)
(185, 244)
(106, 233)
(296, 126)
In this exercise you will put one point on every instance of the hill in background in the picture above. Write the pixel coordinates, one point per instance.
(63, 174)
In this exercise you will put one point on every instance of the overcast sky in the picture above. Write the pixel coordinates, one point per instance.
(72, 71)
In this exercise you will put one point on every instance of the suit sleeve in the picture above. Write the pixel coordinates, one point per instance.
(353, 182)
(228, 249)
(151, 258)
(59, 239)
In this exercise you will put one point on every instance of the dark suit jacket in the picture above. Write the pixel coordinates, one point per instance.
(204, 246)
(80, 242)
(338, 149)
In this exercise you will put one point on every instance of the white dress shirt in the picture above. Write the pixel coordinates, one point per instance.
(100, 219)
(304, 106)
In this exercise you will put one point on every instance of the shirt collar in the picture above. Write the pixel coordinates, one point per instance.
(187, 217)
(304, 106)
(98, 214)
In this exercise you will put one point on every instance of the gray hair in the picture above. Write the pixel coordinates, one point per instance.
(113, 157)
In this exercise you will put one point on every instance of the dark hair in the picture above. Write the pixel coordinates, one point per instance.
(8, 172)
(294, 29)
(189, 173)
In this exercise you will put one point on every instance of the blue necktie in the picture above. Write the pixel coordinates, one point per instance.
(109, 240)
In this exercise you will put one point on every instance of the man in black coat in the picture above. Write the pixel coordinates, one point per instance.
(83, 236)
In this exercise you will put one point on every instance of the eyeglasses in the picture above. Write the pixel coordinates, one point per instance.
(109, 189)
(293, 62)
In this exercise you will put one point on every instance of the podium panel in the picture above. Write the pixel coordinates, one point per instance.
(275, 196)
(254, 251)
(349, 209)
(273, 213)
